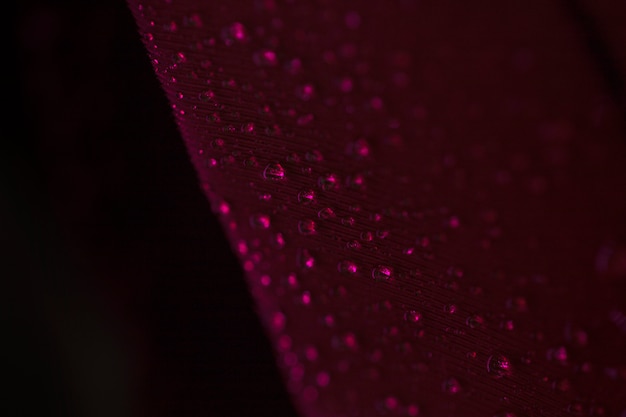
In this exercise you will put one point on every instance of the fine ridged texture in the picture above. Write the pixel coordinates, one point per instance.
(427, 198)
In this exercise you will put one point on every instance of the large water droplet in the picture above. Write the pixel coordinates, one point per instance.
(274, 171)
(382, 273)
(499, 365)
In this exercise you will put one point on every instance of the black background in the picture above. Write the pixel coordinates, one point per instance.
(123, 295)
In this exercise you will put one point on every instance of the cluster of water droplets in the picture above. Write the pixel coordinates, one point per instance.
(299, 189)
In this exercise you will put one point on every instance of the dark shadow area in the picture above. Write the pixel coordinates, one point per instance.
(124, 298)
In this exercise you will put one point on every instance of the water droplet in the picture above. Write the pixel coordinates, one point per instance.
(307, 227)
(293, 66)
(274, 171)
(326, 213)
(382, 273)
(278, 321)
(328, 182)
(305, 92)
(499, 365)
(306, 196)
(367, 236)
(382, 233)
(353, 20)
(260, 221)
(180, 58)
(576, 408)
(353, 244)
(348, 221)
(234, 33)
(558, 354)
(304, 259)
(562, 385)
(207, 95)
(356, 182)
(412, 316)
(346, 342)
(451, 385)
(391, 403)
(323, 379)
(475, 321)
(278, 241)
(358, 149)
(412, 410)
(454, 222)
(517, 304)
(347, 267)
(314, 156)
(265, 58)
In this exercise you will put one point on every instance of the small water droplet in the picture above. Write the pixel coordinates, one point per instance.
(328, 182)
(305, 92)
(475, 321)
(499, 365)
(412, 316)
(412, 410)
(450, 308)
(274, 171)
(382, 233)
(348, 221)
(517, 304)
(306, 196)
(326, 213)
(260, 221)
(265, 58)
(454, 222)
(353, 244)
(305, 259)
(367, 236)
(234, 33)
(307, 227)
(207, 95)
(347, 267)
(576, 408)
(558, 354)
(314, 156)
(358, 149)
(278, 241)
(451, 385)
(382, 273)
(562, 385)
(265, 197)
(323, 379)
